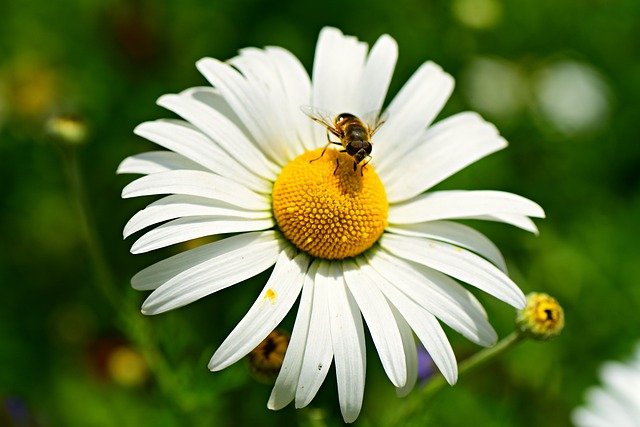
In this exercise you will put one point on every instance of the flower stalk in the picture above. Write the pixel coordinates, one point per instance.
(135, 327)
(104, 277)
(541, 319)
(416, 401)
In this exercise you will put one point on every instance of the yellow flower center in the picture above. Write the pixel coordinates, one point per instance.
(329, 215)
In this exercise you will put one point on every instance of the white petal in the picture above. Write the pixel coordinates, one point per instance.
(377, 74)
(213, 98)
(182, 138)
(461, 204)
(183, 229)
(178, 206)
(623, 381)
(602, 402)
(275, 301)
(287, 86)
(159, 273)
(318, 353)
(380, 321)
(454, 233)
(337, 69)
(218, 265)
(249, 97)
(222, 131)
(438, 294)
(156, 161)
(411, 111)
(587, 417)
(458, 263)
(519, 221)
(347, 336)
(197, 183)
(446, 148)
(424, 324)
(410, 352)
(284, 390)
(429, 333)
(269, 113)
(297, 86)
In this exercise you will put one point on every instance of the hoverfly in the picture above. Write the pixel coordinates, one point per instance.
(355, 134)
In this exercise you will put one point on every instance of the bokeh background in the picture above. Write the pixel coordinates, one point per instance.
(560, 79)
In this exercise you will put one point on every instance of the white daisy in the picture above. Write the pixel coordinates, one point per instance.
(617, 401)
(359, 244)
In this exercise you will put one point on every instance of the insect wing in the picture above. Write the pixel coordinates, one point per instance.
(323, 117)
(373, 120)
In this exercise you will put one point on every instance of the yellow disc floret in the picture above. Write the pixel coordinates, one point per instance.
(329, 215)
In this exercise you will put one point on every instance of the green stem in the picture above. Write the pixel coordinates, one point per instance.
(104, 277)
(419, 397)
(488, 353)
(134, 326)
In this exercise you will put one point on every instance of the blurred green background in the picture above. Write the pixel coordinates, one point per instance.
(559, 78)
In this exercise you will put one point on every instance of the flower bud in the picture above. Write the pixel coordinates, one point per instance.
(266, 359)
(67, 129)
(542, 318)
(116, 360)
(127, 367)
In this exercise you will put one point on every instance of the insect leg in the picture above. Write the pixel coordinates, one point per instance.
(329, 142)
(321, 154)
(337, 166)
(365, 164)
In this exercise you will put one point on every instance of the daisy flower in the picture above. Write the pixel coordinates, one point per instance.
(246, 163)
(617, 401)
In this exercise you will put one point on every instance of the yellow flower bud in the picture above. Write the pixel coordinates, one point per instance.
(127, 367)
(266, 359)
(542, 318)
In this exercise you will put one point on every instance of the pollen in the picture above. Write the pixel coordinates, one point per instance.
(329, 212)
(271, 295)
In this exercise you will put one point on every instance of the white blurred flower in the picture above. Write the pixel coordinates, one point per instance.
(573, 97)
(372, 243)
(617, 401)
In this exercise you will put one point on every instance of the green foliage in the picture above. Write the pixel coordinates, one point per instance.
(108, 61)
